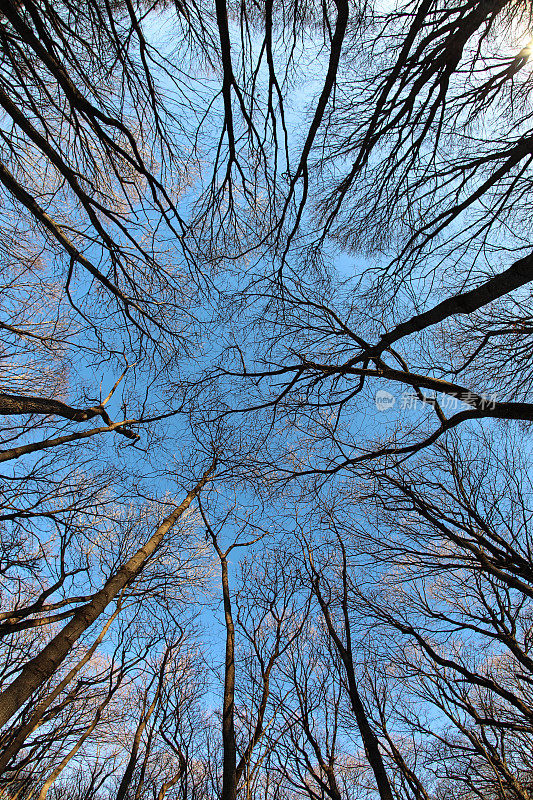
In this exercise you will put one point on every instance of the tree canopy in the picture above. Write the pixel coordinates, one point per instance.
(267, 360)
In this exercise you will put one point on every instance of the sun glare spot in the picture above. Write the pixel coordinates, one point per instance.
(527, 51)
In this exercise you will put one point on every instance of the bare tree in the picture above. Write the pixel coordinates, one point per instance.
(171, 223)
(423, 581)
(42, 666)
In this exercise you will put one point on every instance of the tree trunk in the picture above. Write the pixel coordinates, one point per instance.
(70, 755)
(134, 753)
(370, 740)
(229, 770)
